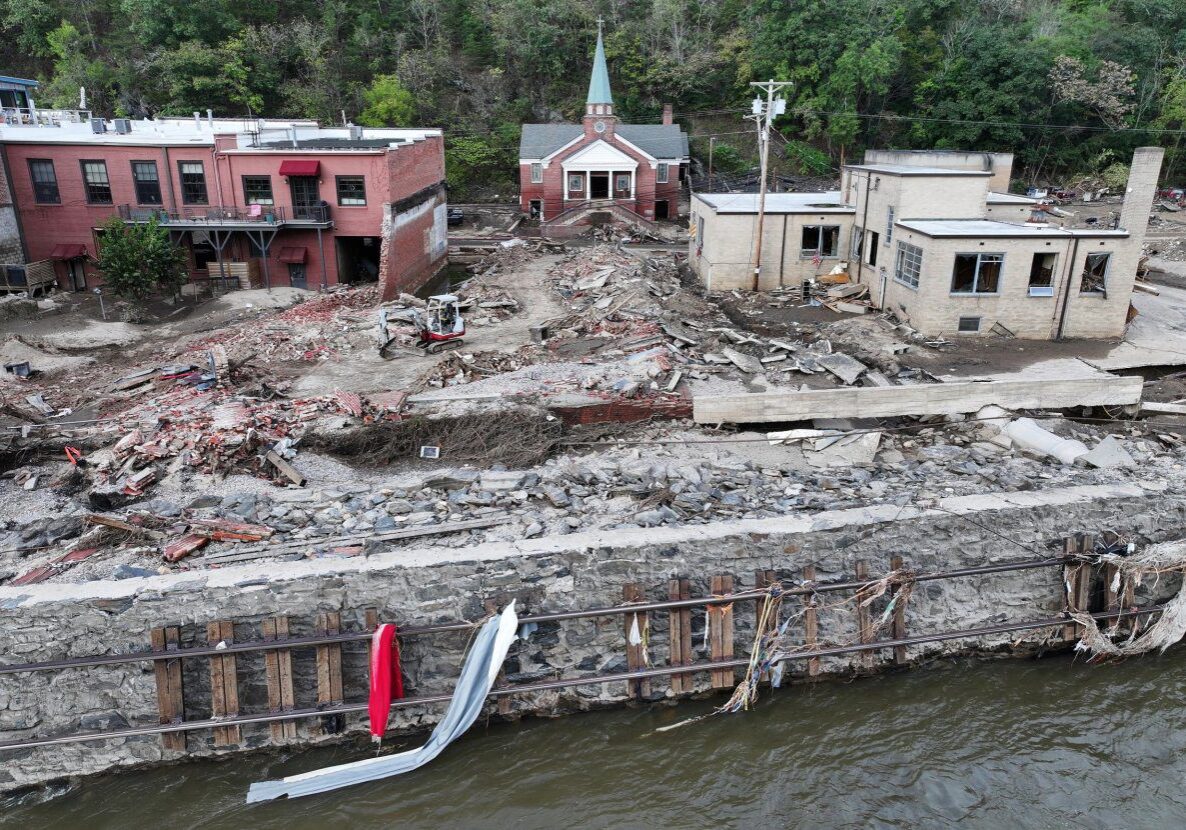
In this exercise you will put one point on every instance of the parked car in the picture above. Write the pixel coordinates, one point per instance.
(455, 217)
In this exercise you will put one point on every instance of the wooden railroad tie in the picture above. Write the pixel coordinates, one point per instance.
(224, 685)
(810, 622)
(637, 626)
(278, 667)
(864, 616)
(680, 633)
(170, 701)
(329, 671)
(719, 619)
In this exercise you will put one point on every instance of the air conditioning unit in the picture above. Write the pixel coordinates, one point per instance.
(98, 125)
(355, 133)
(123, 126)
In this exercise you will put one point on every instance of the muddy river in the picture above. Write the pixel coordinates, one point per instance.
(1019, 744)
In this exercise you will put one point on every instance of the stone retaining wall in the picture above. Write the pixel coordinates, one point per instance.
(581, 570)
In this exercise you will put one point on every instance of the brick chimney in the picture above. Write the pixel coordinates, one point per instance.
(1138, 196)
(667, 114)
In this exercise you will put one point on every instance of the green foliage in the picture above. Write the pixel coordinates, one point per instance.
(388, 104)
(140, 260)
(472, 163)
(726, 158)
(807, 159)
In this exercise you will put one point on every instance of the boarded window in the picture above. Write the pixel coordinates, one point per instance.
(969, 325)
(193, 182)
(537, 173)
(1042, 275)
(45, 182)
(820, 240)
(352, 190)
(977, 273)
(1095, 274)
(94, 179)
(908, 264)
(148, 182)
(257, 190)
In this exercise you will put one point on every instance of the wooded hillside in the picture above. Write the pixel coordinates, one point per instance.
(994, 74)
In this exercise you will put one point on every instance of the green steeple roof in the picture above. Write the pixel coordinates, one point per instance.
(599, 82)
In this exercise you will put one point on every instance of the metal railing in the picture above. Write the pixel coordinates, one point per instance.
(259, 214)
(43, 118)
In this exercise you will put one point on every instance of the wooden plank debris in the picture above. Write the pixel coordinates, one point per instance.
(920, 399)
(292, 473)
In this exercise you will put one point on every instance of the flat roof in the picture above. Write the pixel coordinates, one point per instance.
(988, 228)
(825, 202)
(995, 198)
(908, 170)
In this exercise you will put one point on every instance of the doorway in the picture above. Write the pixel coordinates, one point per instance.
(306, 197)
(599, 185)
(77, 274)
(535, 209)
(661, 209)
(296, 275)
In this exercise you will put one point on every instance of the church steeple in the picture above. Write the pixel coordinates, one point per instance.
(599, 100)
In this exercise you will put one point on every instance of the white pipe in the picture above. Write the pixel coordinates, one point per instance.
(1026, 433)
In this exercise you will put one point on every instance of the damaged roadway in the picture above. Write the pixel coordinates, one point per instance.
(566, 408)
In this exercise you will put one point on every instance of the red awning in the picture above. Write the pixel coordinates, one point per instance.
(68, 251)
(293, 255)
(300, 167)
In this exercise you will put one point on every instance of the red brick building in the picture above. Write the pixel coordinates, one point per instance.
(287, 203)
(601, 169)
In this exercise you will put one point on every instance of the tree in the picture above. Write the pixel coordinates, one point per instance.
(140, 259)
(388, 104)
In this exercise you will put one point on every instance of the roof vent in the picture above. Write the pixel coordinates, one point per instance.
(123, 126)
(98, 125)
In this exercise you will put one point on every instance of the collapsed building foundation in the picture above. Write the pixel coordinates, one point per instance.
(54, 629)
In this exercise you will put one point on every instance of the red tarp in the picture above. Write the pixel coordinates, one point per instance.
(387, 684)
(293, 255)
(68, 251)
(300, 167)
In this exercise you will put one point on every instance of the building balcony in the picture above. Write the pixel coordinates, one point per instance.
(254, 217)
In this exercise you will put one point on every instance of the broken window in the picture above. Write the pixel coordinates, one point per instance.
(977, 273)
(820, 240)
(908, 264)
(257, 190)
(94, 179)
(1095, 274)
(969, 325)
(45, 182)
(871, 248)
(193, 182)
(1042, 275)
(537, 173)
(148, 183)
(352, 190)
(858, 236)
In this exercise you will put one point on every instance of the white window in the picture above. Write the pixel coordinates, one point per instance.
(977, 273)
(1042, 275)
(1095, 274)
(908, 264)
(820, 240)
(889, 226)
(537, 173)
(661, 173)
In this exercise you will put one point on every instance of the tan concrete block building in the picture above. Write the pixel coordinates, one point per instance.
(937, 246)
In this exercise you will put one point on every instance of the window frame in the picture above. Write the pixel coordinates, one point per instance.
(137, 181)
(959, 329)
(618, 178)
(247, 197)
(975, 292)
(889, 226)
(811, 253)
(1103, 289)
(662, 173)
(1042, 290)
(857, 243)
(338, 180)
(537, 172)
(186, 198)
(87, 184)
(580, 179)
(915, 254)
(37, 185)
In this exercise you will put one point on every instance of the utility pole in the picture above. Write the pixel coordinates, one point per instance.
(763, 113)
(712, 142)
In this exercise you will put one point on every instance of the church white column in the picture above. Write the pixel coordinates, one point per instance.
(633, 178)
(588, 186)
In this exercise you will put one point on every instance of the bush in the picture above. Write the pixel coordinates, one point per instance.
(138, 260)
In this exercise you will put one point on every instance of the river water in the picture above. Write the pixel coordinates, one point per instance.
(1016, 744)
